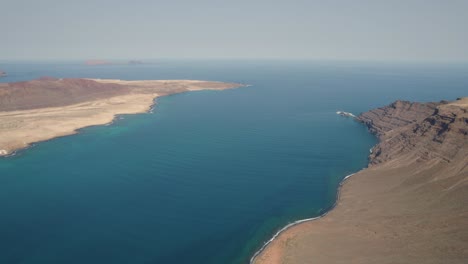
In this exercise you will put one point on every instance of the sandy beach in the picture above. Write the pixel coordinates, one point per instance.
(409, 206)
(20, 128)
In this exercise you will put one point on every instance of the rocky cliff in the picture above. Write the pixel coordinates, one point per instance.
(417, 131)
(409, 206)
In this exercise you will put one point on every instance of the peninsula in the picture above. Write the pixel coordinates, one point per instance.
(42, 109)
(408, 206)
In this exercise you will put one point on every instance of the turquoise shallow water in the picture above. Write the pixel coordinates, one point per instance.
(209, 175)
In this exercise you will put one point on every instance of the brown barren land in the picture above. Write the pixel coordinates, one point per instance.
(409, 206)
(46, 108)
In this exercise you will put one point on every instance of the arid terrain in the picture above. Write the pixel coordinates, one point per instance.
(46, 108)
(409, 206)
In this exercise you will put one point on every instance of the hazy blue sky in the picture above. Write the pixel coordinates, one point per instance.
(308, 29)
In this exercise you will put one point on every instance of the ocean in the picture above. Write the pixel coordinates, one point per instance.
(208, 176)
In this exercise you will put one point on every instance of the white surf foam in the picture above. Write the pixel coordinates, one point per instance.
(252, 259)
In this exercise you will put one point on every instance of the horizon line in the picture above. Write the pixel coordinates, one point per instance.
(429, 61)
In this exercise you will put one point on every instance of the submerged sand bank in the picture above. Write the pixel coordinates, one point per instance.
(95, 105)
(409, 206)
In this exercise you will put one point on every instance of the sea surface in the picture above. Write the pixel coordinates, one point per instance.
(208, 176)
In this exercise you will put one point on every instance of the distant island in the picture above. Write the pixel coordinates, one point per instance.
(2, 73)
(106, 62)
(42, 109)
(135, 62)
(408, 206)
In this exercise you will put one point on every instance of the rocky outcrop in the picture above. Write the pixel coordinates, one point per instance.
(397, 114)
(420, 131)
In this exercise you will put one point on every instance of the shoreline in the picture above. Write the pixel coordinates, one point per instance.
(301, 221)
(104, 121)
(21, 129)
(413, 192)
(77, 131)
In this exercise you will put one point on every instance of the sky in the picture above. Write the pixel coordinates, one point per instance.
(388, 30)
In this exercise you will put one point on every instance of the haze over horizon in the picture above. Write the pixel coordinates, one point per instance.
(336, 30)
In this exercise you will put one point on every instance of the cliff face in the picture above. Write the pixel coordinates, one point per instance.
(417, 131)
(395, 115)
(409, 206)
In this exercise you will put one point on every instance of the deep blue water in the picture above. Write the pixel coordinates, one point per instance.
(209, 175)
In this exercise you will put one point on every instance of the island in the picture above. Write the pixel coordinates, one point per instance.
(46, 108)
(2, 73)
(97, 62)
(107, 62)
(135, 62)
(408, 206)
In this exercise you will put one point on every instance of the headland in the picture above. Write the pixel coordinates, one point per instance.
(408, 206)
(46, 108)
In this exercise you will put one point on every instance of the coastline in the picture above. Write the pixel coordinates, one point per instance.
(301, 221)
(20, 129)
(78, 129)
(412, 192)
(71, 127)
